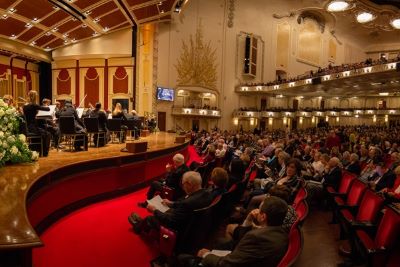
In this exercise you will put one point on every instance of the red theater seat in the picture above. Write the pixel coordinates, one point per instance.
(301, 211)
(294, 248)
(300, 196)
(378, 250)
(344, 187)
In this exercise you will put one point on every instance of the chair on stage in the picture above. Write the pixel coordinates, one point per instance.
(116, 131)
(92, 128)
(132, 126)
(67, 131)
(32, 139)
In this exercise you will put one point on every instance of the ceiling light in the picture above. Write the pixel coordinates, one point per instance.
(162, 11)
(106, 29)
(48, 33)
(65, 35)
(384, 94)
(73, 40)
(96, 20)
(160, 3)
(84, 25)
(88, 12)
(94, 34)
(47, 48)
(12, 10)
(33, 43)
(54, 30)
(13, 36)
(396, 23)
(4, 16)
(365, 17)
(55, 7)
(65, 41)
(28, 25)
(337, 6)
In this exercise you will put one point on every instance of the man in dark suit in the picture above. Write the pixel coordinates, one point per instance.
(178, 216)
(264, 246)
(102, 117)
(172, 180)
(334, 174)
(69, 111)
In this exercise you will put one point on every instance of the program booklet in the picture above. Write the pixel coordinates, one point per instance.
(157, 203)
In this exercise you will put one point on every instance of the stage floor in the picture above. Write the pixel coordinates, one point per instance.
(15, 181)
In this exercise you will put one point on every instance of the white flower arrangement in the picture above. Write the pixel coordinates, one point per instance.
(13, 146)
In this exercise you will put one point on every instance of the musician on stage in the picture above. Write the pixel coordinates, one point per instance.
(50, 124)
(30, 110)
(69, 111)
(97, 112)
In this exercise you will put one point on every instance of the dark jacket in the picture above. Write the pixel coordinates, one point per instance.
(178, 216)
(386, 181)
(68, 110)
(101, 115)
(174, 178)
(354, 168)
(261, 247)
(333, 177)
(30, 112)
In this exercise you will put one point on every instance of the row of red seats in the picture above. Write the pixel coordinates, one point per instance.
(357, 208)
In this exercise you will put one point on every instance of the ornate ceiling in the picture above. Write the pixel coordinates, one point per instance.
(48, 24)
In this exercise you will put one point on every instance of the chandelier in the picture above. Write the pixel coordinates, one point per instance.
(368, 14)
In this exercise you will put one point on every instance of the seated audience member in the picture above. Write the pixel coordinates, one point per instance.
(69, 111)
(173, 179)
(236, 172)
(291, 180)
(210, 156)
(392, 194)
(97, 112)
(263, 246)
(333, 175)
(354, 165)
(219, 178)
(178, 216)
(345, 159)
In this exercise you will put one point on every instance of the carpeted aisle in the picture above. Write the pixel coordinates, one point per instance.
(99, 236)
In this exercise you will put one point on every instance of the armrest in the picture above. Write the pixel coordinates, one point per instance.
(367, 226)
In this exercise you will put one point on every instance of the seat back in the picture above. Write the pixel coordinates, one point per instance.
(388, 230)
(345, 182)
(300, 196)
(130, 124)
(91, 124)
(369, 207)
(301, 211)
(356, 192)
(294, 248)
(114, 125)
(67, 125)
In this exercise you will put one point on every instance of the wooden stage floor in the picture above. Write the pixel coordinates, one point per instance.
(16, 180)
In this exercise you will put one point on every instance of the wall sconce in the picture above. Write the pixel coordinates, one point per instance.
(374, 118)
(252, 121)
(270, 121)
(327, 118)
(301, 120)
(337, 119)
(235, 121)
(386, 118)
(284, 120)
(313, 119)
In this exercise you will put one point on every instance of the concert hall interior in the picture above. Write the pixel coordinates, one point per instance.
(188, 133)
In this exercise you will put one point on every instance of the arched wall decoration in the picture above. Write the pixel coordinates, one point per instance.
(309, 43)
(3, 70)
(120, 81)
(91, 86)
(63, 83)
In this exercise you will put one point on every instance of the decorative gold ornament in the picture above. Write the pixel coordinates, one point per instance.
(197, 64)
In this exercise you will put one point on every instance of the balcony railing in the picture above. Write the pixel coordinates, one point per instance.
(196, 112)
(308, 114)
(325, 78)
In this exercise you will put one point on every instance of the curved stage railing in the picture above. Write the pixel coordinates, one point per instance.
(33, 196)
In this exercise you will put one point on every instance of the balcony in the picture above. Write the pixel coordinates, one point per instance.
(370, 78)
(316, 113)
(206, 113)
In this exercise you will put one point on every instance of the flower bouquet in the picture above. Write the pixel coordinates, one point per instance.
(13, 146)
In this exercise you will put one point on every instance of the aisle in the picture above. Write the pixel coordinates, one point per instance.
(99, 235)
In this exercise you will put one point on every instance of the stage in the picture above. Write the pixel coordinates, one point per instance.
(34, 195)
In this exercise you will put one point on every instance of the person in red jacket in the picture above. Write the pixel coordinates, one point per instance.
(332, 140)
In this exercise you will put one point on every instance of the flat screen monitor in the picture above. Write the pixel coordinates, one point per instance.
(166, 94)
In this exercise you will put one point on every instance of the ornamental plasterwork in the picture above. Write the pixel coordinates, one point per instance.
(197, 64)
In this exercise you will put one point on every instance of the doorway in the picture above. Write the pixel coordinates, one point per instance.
(196, 125)
(162, 117)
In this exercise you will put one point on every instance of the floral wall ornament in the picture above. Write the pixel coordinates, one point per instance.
(231, 13)
(197, 64)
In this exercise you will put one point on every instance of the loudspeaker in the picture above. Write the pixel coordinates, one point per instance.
(398, 66)
(136, 147)
(316, 80)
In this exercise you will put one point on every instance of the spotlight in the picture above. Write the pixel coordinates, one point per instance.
(365, 17)
(338, 6)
